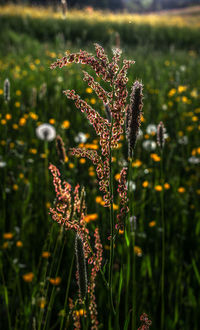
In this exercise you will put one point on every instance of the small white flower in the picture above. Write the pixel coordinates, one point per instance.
(149, 145)
(2, 164)
(164, 107)
(182, 68)
(80, 138)
(132, 185)
(140, 134)
(46, 132)
(194, 160)
(183, 140)
(151, 129)
(146, 171)
(60, 79)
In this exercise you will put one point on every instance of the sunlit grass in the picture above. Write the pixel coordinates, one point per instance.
(166, 19)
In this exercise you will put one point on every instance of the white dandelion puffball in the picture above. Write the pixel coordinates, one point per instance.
(151, 128)
(46, 132)
(2, 164)
(149, 145)
(194, 160)
(81, 138)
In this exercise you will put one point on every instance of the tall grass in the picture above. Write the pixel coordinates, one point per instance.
(27, 301)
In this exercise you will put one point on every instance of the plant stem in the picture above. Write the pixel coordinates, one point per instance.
(132, 245)
(163, 250)
(111, 225)
(67, 292)
(6, 299)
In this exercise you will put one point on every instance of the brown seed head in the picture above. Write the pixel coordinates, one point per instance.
(60, 147)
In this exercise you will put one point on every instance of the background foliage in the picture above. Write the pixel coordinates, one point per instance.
(33, 283)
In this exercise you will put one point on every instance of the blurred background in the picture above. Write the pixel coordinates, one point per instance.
(115, 5)
(163, 37)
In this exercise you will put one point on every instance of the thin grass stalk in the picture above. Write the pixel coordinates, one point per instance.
(127, 228)
(67, 291)
(47, 319)
(6, 299)
(45, 273)
(111, 226)
(46, 163)
(53, 258)
(163, 248)
(132, 247)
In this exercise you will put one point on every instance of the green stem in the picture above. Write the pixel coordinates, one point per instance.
(163, 250)
(67, 292)
(6, 299)
(47, 319)
(51, 269)
(111, 226)
(132, 246)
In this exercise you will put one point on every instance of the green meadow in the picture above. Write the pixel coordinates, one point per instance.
(37, 256)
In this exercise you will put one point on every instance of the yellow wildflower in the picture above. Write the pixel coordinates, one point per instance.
(115, 207)
(88, 90)
(8, 235)
(8, 116)
(145, 184)
(15, 126)
(91, 217)
(167, 186)
(48, 205)
(82, 160)
(91, 173)
(182, 89)
(42, 303)
(17, 104)
(52, 121)
(28, 277)
(155, 157)
(55, 281)
(117, 176)
(33, 115)
(71, 165)
(137, 163)
(18, 92)
(98, 199)
(172, 92)
(19, 244)
(195, 118)
(5, 245)
(3, 122)
(15, 187)
(65, 124)
(1, 91)
(152, 224)
(121, 232)
(33, 151)
(22, 121)
(158, 188)
(181, 190)
(37, 61)
(46, 254)
(93, 100)
(138, 251)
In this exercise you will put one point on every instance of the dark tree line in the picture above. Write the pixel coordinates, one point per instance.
(133, 5)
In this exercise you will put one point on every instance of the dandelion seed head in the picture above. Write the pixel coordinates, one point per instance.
(46, 132)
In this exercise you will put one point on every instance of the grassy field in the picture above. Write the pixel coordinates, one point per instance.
(37, 263)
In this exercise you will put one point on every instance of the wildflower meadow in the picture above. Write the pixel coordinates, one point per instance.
(99, 170)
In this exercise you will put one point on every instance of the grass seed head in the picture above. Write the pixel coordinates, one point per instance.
(81, 267)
